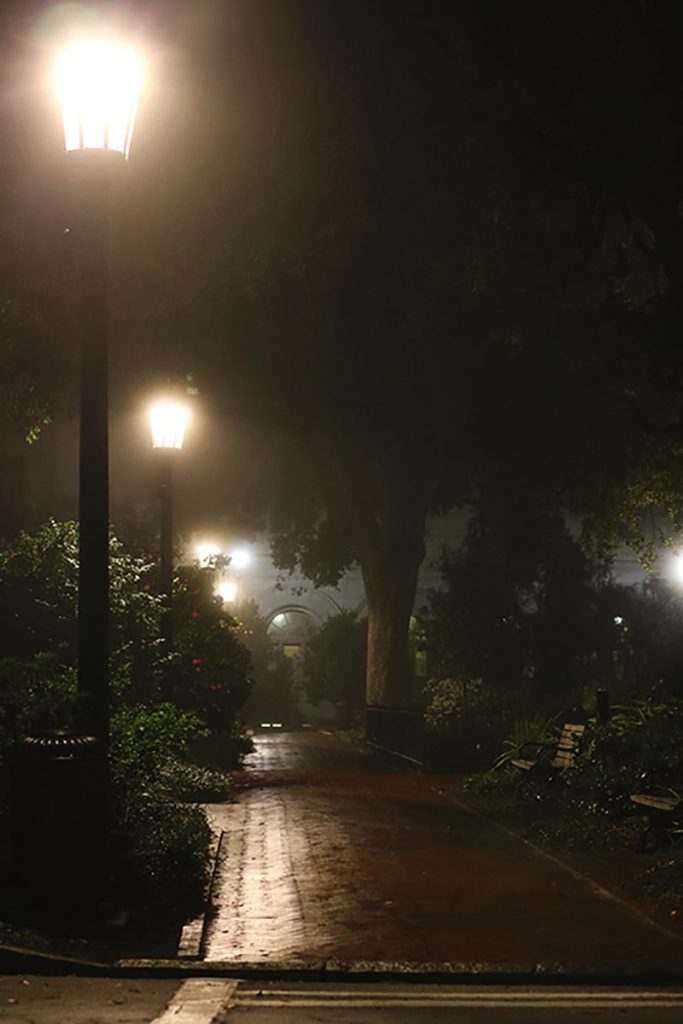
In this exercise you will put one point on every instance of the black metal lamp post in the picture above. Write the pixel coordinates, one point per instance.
(60, 779)
(98, 82)
(168, 420)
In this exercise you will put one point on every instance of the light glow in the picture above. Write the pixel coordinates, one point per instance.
(677, 567)
(228, 591)
(98, 83)
(168, 421)
(206, 553)
(240, 558)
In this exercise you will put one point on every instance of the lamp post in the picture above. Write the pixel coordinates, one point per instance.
(168, 421)
(98, 83)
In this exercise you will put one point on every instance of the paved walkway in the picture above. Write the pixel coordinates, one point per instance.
(335, 854)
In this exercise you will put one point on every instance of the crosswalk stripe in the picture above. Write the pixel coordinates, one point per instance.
(198, 1001)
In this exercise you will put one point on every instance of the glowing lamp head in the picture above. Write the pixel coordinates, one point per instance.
(227, 591)
(168, 421)
(98, 83)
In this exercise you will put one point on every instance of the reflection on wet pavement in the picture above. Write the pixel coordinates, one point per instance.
(331, 853)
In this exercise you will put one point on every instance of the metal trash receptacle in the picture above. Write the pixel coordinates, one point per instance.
(59, 787)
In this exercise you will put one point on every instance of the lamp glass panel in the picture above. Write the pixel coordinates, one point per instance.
(168, 422)
(98, 84)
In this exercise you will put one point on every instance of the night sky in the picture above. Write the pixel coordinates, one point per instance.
(434, 183)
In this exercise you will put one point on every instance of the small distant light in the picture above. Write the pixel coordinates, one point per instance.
(265, 725)
(276, 725)
(618, 619)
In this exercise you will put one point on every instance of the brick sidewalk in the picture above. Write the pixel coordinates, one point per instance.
(334, 854)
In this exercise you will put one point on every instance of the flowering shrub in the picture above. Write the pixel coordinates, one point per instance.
(450, 700)
(464, 723)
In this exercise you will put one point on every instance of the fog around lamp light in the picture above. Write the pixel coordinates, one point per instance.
(207, 552)
(677, 568)
(240, 558)
(168, 421)
(227, 591)
(98, 83)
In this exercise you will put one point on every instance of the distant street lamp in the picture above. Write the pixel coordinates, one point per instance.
(168, 420)
(98, 83)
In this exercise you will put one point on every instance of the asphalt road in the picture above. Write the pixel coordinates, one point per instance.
(32, 1000)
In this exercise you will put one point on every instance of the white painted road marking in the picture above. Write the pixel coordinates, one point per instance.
(198, 1001)
(467, 998)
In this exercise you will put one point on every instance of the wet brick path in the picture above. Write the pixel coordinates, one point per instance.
(335, 854)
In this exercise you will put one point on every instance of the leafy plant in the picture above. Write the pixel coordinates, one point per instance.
(143, 739)
(536, 729)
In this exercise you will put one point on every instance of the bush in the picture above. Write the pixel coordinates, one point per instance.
(220, 751)
(645, 736)
(335, 661)
(192, 784)
(143, 739)
(211, 663)
(164, 852)
(464, 724)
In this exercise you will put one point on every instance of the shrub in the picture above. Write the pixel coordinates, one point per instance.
(211, 663)
(464, 723)
(142, 740)
(536, 729)
(335, 662)
(164, 852)
(191, 783)
(220, 751)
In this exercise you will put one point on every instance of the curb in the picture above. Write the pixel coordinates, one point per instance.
(16, 960)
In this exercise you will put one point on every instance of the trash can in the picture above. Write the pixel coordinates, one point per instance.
(59, 804)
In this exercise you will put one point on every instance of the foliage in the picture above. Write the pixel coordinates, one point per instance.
(164, 851)
(191, 783)
(39, 693)
(39, 598)
(464, 723)
(221, 751)
(536, 729)
(211, 665)
(143, 739)
(644, 737)
(334, 661)
(517, 604)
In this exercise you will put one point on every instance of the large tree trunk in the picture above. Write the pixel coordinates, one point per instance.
(390, 566)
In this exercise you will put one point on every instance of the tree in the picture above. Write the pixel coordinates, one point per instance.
(449, 265)
(517, 608)
(335, 660)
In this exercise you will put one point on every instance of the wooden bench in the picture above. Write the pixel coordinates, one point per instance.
(540, 758)
(661, 806)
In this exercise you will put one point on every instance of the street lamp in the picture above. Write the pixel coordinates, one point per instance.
(98, 83)
(168, 421)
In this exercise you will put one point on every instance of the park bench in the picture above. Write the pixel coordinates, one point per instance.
(661, 807)
(536, 759)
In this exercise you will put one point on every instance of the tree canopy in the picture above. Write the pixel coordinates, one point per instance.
(415, 255)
